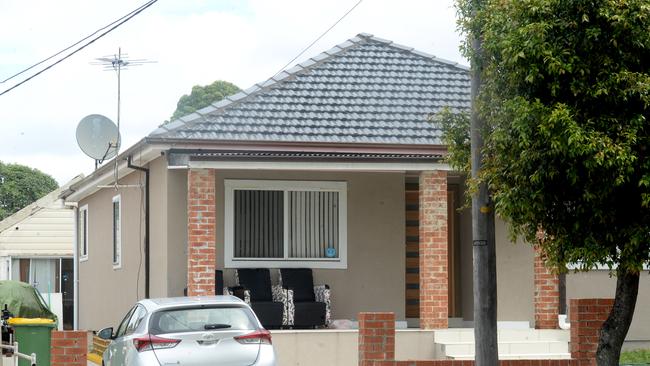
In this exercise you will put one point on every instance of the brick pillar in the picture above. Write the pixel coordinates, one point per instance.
(68, 348)
(434, 286)
(201, 221)
(547, 295)
(376, 337)
(587, 317)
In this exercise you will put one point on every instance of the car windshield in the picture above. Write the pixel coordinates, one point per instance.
(196, 319)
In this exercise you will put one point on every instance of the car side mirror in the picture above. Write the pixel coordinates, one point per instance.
(106, 333)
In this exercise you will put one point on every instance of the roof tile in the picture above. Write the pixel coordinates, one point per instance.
(366, 90)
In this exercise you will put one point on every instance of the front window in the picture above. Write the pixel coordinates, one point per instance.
(286, 223)
(45, 274)
(83, 233)
(117, 232)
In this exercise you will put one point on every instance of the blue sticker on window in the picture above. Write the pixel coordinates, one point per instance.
(330, 252)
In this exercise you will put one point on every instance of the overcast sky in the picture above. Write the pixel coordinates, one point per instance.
(192, 41)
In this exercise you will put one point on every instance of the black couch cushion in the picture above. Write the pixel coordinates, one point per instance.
(258, 281)
(269, 313)
(218, 282)
(309, 314)
(301, 281)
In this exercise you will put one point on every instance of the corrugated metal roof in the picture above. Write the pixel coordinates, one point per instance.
(366, 90)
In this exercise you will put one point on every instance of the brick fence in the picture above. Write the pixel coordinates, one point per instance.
(377, 339)
(68, 348)
(587, 316)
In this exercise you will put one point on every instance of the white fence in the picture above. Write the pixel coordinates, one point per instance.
(13, 359)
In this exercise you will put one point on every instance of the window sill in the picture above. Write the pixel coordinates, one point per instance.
(325, 263)
(83, 259)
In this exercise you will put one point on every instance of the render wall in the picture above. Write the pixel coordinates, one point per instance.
(158, 223)
(176, 228)
(105, 293)
(375, 277)
(515, 284)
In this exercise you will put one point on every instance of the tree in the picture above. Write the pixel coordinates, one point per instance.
(203, 96)
(21, 185)
(566, 98)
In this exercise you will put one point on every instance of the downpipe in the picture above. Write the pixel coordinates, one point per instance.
(563, 323)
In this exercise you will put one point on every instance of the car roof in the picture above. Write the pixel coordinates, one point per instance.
(170, 302)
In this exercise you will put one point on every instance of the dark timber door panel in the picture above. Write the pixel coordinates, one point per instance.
(412, 241)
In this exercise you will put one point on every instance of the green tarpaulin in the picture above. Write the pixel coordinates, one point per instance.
(23, 301)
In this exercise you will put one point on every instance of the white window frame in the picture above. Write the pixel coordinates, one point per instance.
(230, 185)
(116, 240)
(83, 256)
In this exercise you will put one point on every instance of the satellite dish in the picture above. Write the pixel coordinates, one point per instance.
(98, 137)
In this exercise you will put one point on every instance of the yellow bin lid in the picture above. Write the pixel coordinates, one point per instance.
(30, 321)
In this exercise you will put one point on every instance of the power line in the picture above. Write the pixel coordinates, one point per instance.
(119, 22)
(319, 38)
(72, 45)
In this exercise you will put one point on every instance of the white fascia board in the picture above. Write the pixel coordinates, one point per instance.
(316, 166)
(148, 154)
(599, 267)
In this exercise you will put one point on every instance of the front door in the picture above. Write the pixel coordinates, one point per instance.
(67, 290)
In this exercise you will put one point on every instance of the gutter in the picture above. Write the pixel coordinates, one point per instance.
(146, 223)
(254, 145)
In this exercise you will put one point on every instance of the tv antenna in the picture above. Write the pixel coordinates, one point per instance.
(117, 63)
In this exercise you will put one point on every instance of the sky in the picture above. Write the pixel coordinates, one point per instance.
(193, 42)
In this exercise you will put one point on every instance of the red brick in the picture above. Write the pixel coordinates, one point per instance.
(69, 348)
(587, 317)
(433, 250)
(547, 294)
(201, 230)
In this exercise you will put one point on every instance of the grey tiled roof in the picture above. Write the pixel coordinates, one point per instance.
(365, 90)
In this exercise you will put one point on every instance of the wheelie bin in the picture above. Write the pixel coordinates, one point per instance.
(33, 336)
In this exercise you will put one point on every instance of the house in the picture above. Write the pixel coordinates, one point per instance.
(36, 246)
(342, 159)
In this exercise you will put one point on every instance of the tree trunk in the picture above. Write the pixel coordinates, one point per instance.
(484, 248)
(615, 328)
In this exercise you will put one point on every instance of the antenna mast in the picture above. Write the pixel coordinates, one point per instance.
(116, 63)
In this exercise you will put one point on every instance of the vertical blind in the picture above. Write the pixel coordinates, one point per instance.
(259, 224)
(313, 224)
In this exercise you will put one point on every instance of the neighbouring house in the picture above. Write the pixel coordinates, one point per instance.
(335, 165)
(36, 247)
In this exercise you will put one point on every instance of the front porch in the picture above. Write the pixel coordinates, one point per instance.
(400, 244)
(380, 243)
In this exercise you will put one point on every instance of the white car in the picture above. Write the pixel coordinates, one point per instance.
(192, 331)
